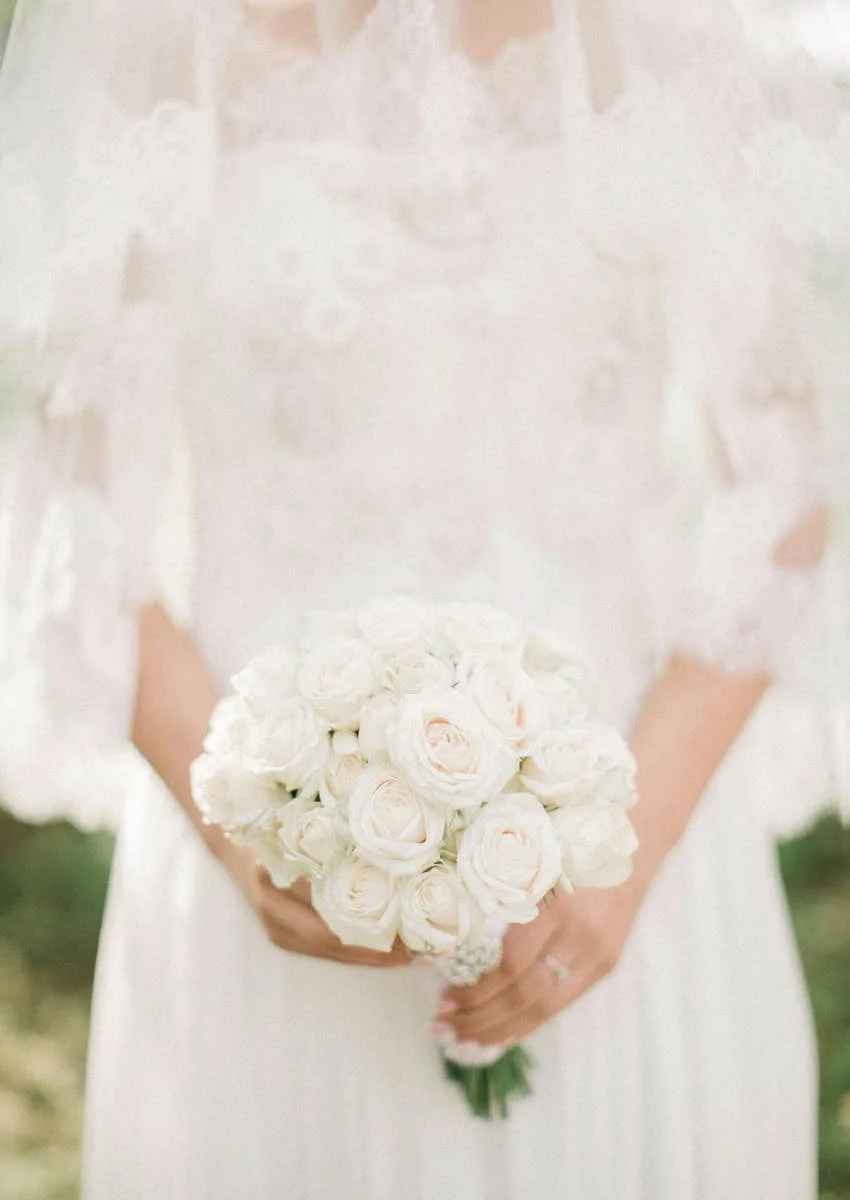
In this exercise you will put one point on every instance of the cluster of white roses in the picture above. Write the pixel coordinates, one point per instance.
(427, 767)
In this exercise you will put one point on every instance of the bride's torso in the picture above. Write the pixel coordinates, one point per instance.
(417, 372)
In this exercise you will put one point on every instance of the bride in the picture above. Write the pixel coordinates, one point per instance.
(505, 300)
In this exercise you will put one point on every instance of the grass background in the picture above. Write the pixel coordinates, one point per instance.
(52, 887)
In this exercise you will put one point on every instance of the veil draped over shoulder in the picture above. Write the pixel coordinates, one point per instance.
(699, 143)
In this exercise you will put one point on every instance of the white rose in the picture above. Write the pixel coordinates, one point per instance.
(563, 675)
(265, 841)
(437, 911)
(411, 672)
(290, 745)
(226, 734)
(397, 626)
(337, 677)
(376, 717)
(390, 826)
(507, 696)
(228, 795)
(310, 835)
(268, 681)
(584, 764)
(447, 751)
(342, 770)
(468, 626)
(546, 655)
(597, 844)
(565, 703)
(360, 903)
(509, 858)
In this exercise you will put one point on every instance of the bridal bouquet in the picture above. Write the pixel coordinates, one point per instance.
(435, 772)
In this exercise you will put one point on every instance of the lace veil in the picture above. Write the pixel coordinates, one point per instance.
(109, 125)
(699, 142)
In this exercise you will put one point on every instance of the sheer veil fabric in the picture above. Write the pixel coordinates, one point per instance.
(699, 147)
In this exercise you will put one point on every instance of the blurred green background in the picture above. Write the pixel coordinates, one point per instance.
(52, 886)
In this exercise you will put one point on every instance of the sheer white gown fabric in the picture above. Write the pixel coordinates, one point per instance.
(455, 383)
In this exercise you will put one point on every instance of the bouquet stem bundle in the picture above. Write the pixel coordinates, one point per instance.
(489, 1089)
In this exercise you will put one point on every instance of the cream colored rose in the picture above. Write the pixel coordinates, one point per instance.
(376, 717)
(228, 795)
(447, 751)
(565, 703)
(360, 903)
(509, 858)
(264, 840)
(310, 835)
(397, 626)
(411, 672)
(596, 843)
(301, 841)
(291, 746)
(563, 676)
(583, 764)
(337, 677)
(342, 770)
(267, 681)
(437, 911)
(467, 626)
(545, 654)
(390, 826)
(507, 696)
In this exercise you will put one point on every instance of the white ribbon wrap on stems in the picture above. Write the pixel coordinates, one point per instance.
(477, 957)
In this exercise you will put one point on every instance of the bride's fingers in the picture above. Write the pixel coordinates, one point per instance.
(399, 956)
(292, 924)
(545, 995)
(327, 945)
(523, 945)
(526, 991)
(519, 1026)
(284, 914)
(302, 890)
(349, 955)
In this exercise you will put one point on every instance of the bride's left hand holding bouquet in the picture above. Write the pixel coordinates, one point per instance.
(433, 771)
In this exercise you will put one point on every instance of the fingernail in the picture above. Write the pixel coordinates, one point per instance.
(440, 1030)
(446, 1007)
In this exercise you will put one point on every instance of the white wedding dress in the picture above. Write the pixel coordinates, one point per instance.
(448, 386)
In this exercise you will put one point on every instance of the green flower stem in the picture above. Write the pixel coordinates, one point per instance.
(489, 1089)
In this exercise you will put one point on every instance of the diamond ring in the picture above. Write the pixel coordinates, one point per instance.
(560, 972)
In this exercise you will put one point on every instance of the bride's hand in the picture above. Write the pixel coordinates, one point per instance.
(291, 922)
(688, 721)
(574, 942)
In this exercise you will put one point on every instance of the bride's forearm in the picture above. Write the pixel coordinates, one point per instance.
(687, 725)
(176, 695)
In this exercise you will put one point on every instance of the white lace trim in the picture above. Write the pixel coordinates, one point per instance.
(149, 178)
(68, 669)
(395, 88)
(738, 609)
